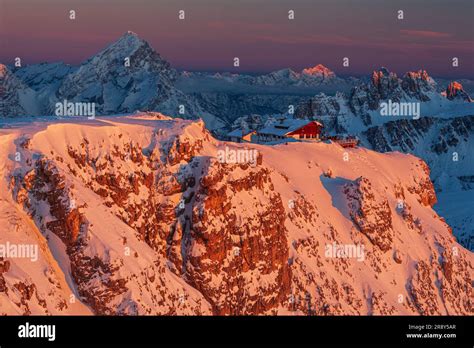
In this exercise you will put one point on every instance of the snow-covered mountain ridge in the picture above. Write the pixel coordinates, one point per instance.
(136, 215)
(443, 135)
(129, 75)
(126, 76)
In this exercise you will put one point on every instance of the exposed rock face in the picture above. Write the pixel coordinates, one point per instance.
(401, 134)
(144, 219)
(423, 187)
(4, 267)
(373, 218)
(359, 108)
(440, 135)
(126, 76)
(455, 91)
(383, 85)
(441, 142)
(236, 256)
(418, 84)
(239, 104)
(45, 183)
(322, 104)
(115, 87)
(422, 290)
(16, 98)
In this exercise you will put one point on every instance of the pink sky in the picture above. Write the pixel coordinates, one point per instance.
(259, 33)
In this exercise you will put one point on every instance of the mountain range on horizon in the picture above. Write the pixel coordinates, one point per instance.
(308, 66)
(106, 81)
(135, 212)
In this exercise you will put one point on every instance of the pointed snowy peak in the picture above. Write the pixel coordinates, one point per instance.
(126, 45)
(130, 33)
(129, 49)
(130, 37)
(319, 71)
(383, 71)
(287, 72)
(456, 91)
(122, 78)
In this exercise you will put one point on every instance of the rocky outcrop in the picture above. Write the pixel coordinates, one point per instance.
(16, 98)
(423, 187)
(364, 99)
(422, 289)
(323, 105)
(243, 250)
(147, 220)
(4, 267)
(418, 85)
(455, 91)
(371, 214)
(401, 135)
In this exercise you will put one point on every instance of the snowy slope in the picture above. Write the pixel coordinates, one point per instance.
(445, 144)
(142, 218)
(26, 287)
(16, 98)
(445, 128)
(44, 79)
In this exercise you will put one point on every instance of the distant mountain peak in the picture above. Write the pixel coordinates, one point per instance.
(3, 70)
(383, 78)
(124, 46)
(318, 70)
(454, 85)
(420, 74)
(383, 70)
(455, 90)
(286, 72)
(145, 82)
(129, 38)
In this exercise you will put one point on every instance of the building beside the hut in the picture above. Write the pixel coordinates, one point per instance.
(289, 129)
(240, 136)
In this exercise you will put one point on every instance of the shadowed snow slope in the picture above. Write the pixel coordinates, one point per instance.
(135, 215)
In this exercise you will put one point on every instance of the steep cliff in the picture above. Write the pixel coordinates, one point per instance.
(144, 215)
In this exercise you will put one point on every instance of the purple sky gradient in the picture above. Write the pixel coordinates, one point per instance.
(258, 32)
